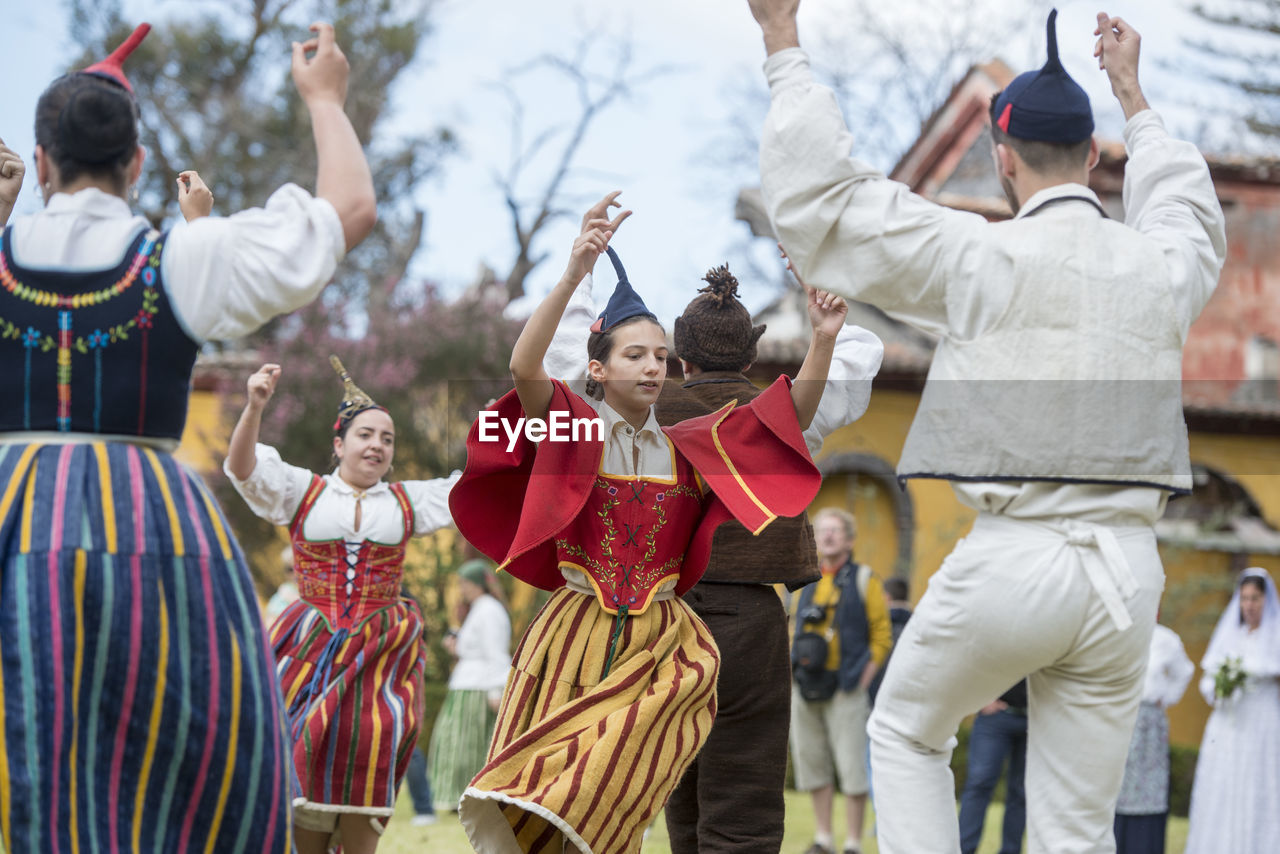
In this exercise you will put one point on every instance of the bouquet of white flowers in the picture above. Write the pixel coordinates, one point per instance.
(1229, 678)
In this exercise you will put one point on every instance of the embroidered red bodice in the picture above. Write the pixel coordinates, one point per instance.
(632, 535)
(348, 582)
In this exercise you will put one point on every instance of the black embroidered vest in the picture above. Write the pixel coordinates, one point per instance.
(93, 352)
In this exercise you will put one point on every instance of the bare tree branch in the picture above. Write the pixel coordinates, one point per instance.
(558, 146)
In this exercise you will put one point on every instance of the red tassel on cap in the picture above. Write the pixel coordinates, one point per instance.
(112, 67)
(1003, 121)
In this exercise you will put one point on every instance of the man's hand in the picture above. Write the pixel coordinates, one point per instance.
(868, 675)
(993, 707)
(322, 78)
(195, 199)
(262, 385)
(777, 20)
(1117, 52)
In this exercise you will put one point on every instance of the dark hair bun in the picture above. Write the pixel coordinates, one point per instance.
(97, 124)
(721, 284)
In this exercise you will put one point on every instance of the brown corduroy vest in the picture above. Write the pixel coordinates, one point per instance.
(784, 553)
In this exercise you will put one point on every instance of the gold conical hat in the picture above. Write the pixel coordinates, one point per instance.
(354, 399)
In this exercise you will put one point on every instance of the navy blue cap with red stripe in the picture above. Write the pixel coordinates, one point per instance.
(1045, 105)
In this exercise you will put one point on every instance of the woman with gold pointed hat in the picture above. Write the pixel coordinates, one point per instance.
(349, 652)
(140, 711)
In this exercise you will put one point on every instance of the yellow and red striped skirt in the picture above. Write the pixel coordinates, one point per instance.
(588, 760)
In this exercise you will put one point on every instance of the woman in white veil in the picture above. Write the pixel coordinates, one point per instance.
(1235, 803)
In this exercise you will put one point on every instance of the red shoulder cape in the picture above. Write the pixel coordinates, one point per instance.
(511, 504)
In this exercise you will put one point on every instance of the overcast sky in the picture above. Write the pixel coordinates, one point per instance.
(654, 148)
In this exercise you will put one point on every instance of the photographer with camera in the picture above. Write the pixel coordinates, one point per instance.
(842, 636)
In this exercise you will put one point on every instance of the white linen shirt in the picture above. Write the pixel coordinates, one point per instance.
(274, 490)
(849, 229)
(484, 649)
(224, 276)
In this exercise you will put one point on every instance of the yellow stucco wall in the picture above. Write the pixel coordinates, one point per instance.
(940, 520)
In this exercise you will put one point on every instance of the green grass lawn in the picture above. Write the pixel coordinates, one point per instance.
(446, 835)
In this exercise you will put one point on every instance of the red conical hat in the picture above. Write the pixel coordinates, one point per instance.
(112, 68)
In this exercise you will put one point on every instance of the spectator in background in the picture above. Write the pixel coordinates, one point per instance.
(1235, 801)
(999, 731)
(1143, 809)
(460, 739)
(842, 635)
(286, 594)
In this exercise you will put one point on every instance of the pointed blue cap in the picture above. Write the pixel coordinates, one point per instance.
(1045, 105)
(625, 302)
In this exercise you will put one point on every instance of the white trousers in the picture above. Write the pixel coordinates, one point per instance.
(1045, 600)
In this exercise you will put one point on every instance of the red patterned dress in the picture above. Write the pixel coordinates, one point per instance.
(349, 651)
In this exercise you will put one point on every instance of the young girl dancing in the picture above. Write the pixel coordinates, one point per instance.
(612, 689)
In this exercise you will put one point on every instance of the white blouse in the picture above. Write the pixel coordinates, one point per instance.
(484, 648)
(274, 490)
(225, 276)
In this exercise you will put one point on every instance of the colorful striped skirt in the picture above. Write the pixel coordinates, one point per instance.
(459, 745)
(139, 709)
(589, 761)
(354, 704)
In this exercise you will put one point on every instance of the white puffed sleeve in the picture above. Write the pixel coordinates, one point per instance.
(226, 276)
(430, 500)
(856, 360)
(274, 489)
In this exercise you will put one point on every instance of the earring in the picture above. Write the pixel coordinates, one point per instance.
(134, 193)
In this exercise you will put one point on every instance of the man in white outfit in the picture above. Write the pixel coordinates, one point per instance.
(1053, 406)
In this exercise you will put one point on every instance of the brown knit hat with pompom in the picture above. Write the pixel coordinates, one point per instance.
(715, 331)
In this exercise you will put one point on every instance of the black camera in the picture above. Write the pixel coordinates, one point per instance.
(813, 614)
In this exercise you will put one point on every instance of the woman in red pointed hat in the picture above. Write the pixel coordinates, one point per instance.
(140, 707)
(612, 690)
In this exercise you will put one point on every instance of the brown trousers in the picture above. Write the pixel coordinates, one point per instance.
(730, 799)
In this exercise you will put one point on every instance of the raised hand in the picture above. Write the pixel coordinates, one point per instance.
(600, 210)
(587, 247)
(777, 20)
(12, 170)
(322, 77)
(826, 311)
(1117, 51)
(195, 199)
(262, 384)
